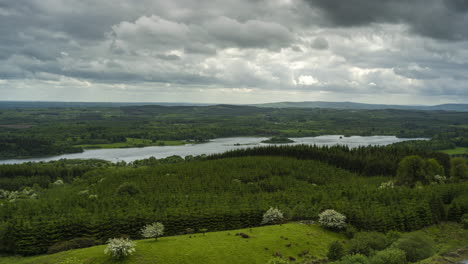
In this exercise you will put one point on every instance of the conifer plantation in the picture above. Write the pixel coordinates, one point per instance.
(64, 200)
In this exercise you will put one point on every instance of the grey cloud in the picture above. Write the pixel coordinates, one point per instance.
(252, 33)
(169, 57)
(220, 32)
(263, 45)
(320, 43)
(439, 19)
(415, 73)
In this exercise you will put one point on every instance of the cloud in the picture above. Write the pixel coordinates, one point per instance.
(252, 50)
(441, 19)
(320, 43)
(220, 32)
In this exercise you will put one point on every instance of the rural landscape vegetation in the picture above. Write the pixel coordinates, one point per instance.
(234, 132)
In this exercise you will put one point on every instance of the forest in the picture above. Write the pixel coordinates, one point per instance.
(46, 203)
(32, 132)
(47, 207)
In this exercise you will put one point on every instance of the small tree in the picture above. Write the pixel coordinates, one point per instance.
(335, 251)
(203, 230)
(332, 219)
(367, 242)
(458, 168)
(153, 230)
(412, 169)
(416, 246)
(119, 247)
(128, 188)
(433, 168)
(272, 216)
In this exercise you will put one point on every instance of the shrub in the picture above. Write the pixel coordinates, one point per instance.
(75, 243)
(354, 259)
(458, 168)
(119, 247)
(272, 216)
(367, 242)
(393, 236)
(244, 235)
(127, 188)
(332, 219)
(58, 182)
(464, 221)
(153, 230)
(411, 169)
(417, 246)
(387, 185)
(335, 251)
(350, 231)
(389, 256)
(203, 230)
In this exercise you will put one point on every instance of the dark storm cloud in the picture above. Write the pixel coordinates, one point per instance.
(442, 19)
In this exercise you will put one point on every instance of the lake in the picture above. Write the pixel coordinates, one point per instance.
(218, 145)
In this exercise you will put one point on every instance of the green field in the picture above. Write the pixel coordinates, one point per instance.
(456, 151)
(134, 143)
(226, 247)
(213, 248)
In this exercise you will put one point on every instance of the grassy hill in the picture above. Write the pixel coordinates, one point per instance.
(226, 247)
(215, 247)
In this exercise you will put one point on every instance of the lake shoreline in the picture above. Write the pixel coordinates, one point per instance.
(213, 146)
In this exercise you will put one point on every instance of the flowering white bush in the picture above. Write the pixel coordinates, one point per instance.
(153, 230)
(58, 182)
(119, 247)
(272, 216)
(332, 219)
(387, 185)
(12, 196)
(93, 196)
(440, 179)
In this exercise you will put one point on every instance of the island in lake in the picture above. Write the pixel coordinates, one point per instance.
(278, 140)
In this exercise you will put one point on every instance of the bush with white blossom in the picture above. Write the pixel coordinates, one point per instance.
(387, 185)
(58, 182)
(440, 179)
(153, 230)
(332, 219)
(272, 216)
(119, 247)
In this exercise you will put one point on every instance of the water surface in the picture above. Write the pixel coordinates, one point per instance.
(218, 145)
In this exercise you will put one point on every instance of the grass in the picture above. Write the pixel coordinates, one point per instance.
(456, 151)
(213, 248)
(133, 143)
(225, 247)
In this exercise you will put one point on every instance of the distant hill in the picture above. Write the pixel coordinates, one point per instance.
(245, 107)
(54, 104)
(351, 105)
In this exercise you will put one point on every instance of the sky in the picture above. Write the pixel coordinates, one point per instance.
(243, 51)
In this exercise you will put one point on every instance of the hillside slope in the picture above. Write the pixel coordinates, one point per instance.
(213, 248)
